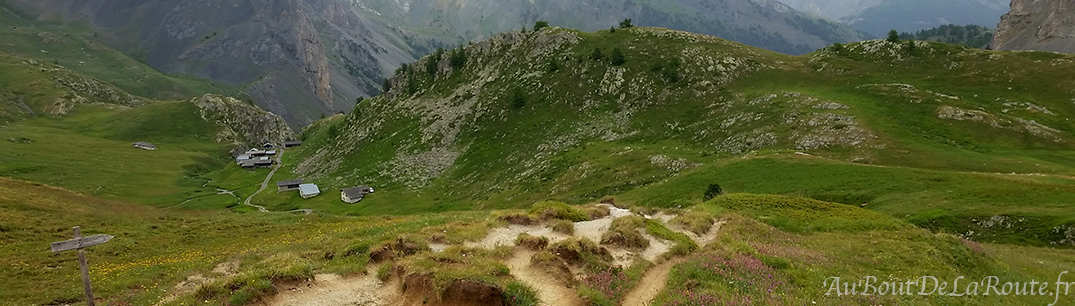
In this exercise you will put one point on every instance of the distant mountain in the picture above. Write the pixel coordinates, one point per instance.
(877, 17)
(973, 36)
(304, 59)
(1045, 25)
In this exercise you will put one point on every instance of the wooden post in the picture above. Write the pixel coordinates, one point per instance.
(85, 267)
(80, 243)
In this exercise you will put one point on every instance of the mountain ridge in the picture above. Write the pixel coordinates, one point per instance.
(305, 59)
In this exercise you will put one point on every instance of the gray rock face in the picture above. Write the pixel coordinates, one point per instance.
(242, 125)
(1044, 25)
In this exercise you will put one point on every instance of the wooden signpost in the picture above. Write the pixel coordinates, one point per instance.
(79, 243)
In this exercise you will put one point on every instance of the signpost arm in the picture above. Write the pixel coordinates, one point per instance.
(85, 270)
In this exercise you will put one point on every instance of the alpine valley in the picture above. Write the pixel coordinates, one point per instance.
(600, 156)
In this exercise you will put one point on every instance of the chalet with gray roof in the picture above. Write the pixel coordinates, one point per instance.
(144, 145)
(288, 185)
(354, 194)
(308, 191)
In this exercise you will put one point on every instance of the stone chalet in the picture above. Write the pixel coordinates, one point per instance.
(354, 194)
(288, 185)
(144, 145)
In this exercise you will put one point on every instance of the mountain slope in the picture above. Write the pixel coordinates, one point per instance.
(65, 129)
(1037, 25)
(304, 59)
(877, 17)
(534, 116)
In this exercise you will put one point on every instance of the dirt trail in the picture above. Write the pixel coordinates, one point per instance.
(650, 285)
(265, 183)
(595, 228)
(656, 278)
(332, 289)
(505, 236)
(550, 291)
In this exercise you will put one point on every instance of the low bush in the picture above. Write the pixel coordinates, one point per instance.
(624, 232)
(559, 210)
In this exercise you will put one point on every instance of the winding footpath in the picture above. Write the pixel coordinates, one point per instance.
(265, 184)
(656, 278)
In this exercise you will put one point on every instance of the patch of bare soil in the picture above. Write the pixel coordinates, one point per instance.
(505, 236)
(194, 281)
(550, 290)
(593, 229)
(332, 289)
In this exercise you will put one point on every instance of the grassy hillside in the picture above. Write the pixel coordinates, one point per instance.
(780, 251)
(523, 117)
(66, 129)
(767, 250)
(79, 48)
(156, 249)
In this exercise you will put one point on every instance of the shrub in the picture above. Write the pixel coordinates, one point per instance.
(519, 294)
(554, 65)
(712, 191)
(562, 226)
(624, 232)
(596, 55)
(598, 211)
(695, 220)
(559, 210)
(617, 57)
(581, 252)
(541, 24)
(385, 271)
(684, 245)
(670, 71)
(518, 98)
(612, 30)
(626, 23)
(532, 242)
(610, 200)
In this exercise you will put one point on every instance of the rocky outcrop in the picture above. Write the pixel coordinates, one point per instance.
(242, 124)
(73, 89)
(1043, 25)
